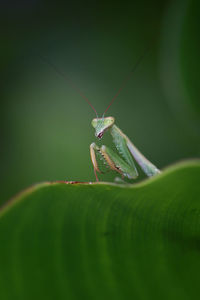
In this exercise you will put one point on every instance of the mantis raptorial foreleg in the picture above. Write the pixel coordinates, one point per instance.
(123, 164)
(113, 161)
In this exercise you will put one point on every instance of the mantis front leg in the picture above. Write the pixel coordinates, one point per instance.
(113, 161)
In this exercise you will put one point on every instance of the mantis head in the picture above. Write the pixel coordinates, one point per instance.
(101, 125)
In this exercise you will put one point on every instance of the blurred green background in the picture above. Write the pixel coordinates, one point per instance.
(45, 125)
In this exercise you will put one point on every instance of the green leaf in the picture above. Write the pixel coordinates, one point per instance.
(104, 241)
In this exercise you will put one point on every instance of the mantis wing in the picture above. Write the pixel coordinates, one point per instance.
(126, 148)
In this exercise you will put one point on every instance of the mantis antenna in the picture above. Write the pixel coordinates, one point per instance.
(70, 82)
(126, 80)
(124, 83)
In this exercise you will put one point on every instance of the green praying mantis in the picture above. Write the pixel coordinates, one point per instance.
(122, 163)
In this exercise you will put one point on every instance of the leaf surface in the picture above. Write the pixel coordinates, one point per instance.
(104, 241)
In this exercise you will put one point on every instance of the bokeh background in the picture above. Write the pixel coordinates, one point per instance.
(45, 126)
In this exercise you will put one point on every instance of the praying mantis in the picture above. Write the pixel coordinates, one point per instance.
(122, 163)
